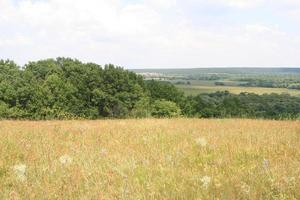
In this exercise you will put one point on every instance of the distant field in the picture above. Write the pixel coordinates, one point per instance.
(150, 159)
(224, 70)
(235, 80)
(195, 89)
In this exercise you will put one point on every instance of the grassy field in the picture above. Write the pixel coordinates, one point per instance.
(196, 89)
(150, 159)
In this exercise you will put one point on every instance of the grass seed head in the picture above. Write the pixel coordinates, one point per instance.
(202, 142)
(20, 172)
(205, 181)
(65, 160)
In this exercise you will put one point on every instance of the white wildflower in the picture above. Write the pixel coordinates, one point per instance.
(146, 162)
(266, 164)
(65, 160)
(103, 152)
(82, 127)
(201, 142)
(205, 181)
(20, 172)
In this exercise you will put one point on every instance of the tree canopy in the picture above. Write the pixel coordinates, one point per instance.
(65, 88)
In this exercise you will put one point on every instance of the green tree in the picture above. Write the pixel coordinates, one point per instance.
(163, 108)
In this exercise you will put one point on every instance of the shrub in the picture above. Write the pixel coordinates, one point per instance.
(163, 108)
(142, 108)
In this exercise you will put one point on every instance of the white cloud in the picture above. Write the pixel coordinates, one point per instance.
(241, 3)
(139, 35)
(246, 4)
(162, 4)
(15, 41)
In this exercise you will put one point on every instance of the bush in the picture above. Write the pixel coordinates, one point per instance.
(163, 108)
(142, 108)
(3, 110)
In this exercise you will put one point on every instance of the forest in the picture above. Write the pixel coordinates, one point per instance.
(65, 88)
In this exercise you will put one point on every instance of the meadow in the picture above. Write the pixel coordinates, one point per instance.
(150, 159)
(198, 89)
(235, 80)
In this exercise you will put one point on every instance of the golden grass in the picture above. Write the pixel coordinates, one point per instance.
(151, 159)
(194, 90)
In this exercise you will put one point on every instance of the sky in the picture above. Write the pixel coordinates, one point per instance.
(153, 33)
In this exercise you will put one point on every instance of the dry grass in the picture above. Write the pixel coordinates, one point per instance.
(150, 159)
(194, 90)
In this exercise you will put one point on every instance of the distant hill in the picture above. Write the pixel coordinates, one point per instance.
(196, 71)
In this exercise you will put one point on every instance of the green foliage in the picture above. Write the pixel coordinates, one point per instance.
(224, 104)
(163, 108)
(65, 88)
(219, 83)
(3, 109)
(164, 90)
(142, 108)
(295, 86)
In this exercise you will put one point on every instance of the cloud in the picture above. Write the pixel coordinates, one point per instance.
(158, 33)
(162, 4)
(241, 3)
(249, 4)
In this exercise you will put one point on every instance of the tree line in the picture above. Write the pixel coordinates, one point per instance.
(65, 88)
(289, 83)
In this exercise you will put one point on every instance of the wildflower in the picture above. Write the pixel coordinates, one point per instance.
(65, 160)
(201, 142)
(266, 164)
(245, 188)
(205, 181)
(82, 127)
(103, 152)
(20, 172)
(146, 162)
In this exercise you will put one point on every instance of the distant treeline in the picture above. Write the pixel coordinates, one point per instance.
(245, 77)
(272, 83)
(65, 88)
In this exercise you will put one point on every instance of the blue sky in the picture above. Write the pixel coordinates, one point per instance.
(153, 33)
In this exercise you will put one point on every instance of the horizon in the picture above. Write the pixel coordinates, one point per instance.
(168, 68)
(157, 34)
(162, 68)
(213, 67)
